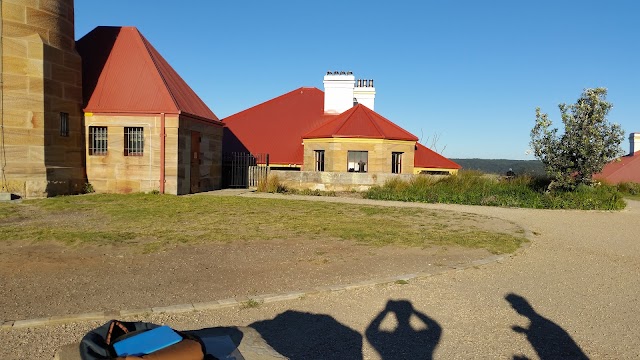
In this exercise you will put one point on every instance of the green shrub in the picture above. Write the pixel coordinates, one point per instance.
(475, 188)
(629, 188)
(88, 188)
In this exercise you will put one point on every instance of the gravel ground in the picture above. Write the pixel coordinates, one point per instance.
(572, 294)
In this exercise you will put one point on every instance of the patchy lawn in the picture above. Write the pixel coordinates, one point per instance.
(151, 222)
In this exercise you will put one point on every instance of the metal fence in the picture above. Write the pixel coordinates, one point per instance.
(244, 170)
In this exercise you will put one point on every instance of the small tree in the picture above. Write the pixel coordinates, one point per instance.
(588, 143)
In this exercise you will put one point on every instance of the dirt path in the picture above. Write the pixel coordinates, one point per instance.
(580, 277)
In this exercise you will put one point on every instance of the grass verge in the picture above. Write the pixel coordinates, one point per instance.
(474, 188)
(152, 222)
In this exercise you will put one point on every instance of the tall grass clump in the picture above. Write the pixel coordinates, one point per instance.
(271, 184)
(476, 188)
(629, 188)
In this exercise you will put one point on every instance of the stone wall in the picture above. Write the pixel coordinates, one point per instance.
(379, 153)
(209, 166)
(116, 173)
(41, 77)
(335, 181)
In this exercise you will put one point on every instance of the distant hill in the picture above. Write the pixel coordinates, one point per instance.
(501, 166)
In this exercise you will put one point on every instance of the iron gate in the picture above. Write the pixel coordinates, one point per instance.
(244, 170)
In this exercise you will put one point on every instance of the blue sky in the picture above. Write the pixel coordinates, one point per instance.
(470, 73)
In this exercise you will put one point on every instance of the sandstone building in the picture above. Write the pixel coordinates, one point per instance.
(332, 131)
(139, 133)
(41, 132)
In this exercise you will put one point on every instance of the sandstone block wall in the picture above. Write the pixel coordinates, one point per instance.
(210, 156)
(335, 181)
(41, 75)
(379, 153)
(117, 173)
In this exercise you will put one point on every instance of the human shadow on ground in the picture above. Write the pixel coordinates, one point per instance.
(548, 339)
(301, 335)
(404, 342)
(222, 348)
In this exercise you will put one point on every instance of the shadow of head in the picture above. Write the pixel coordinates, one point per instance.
(301, 335)
(520, 304)
(402, 308)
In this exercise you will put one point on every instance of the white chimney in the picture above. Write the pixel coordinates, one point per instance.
(338, 92)
(634, 142)
(365, 93)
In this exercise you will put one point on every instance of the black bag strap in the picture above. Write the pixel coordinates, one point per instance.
(97, 344)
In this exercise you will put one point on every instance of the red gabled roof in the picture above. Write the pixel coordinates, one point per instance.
(124, 73)
(276, 126)
(360, 122)
(427, 158)
(624, 169)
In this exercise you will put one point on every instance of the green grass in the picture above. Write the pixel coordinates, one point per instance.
(151, 222)
(473, 188)
(250, 304)
(6, 211)
(630, 190)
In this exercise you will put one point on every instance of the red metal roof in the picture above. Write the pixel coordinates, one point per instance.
(360, 122)
(624, 169)
(124, 73)
(427, 158)
(276, 126)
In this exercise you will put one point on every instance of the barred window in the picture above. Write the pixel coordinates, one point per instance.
(133, 141)
(357, 161)
(396, 162)
(319, 159)
(97, 140)
(64, 124)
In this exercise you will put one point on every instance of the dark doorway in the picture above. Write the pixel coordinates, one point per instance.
(195, 162)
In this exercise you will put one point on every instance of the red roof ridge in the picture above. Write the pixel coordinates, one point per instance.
(279, 97)
(146, 44)
(372, 121)
(396, 125)
(377, 126)
(126, 74)
(346, 119)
